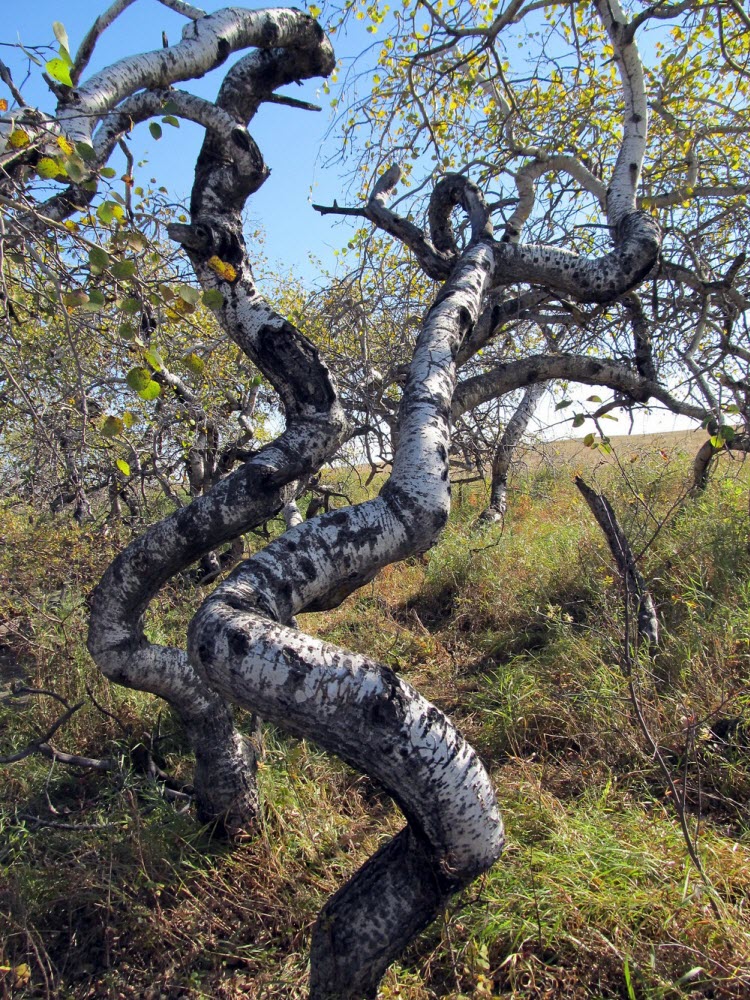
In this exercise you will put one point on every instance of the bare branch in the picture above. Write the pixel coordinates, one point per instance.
(100, 25)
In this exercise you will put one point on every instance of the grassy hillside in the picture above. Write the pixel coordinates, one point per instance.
(110, 889)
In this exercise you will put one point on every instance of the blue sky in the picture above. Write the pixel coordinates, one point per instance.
(292, 141)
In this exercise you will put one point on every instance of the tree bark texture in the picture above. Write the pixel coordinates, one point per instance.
(351, 705)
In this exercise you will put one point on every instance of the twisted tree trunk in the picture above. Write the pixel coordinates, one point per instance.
(229, 169)
(350, 704)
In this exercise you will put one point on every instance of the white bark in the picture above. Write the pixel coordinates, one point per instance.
(569, 367)
(231, 167)
(621, 195)
(527, 176)
(205, 44)
(506, 449)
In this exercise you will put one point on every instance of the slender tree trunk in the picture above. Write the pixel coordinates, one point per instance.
(506, 449)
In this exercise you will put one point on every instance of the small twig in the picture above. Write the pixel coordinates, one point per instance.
(338, 210)
(75, 760)
(291, 102)
(628, 662)
(186, 9)
(56, 825)
(36, 745)
(109, 715)
(19, 690)
(7, 79)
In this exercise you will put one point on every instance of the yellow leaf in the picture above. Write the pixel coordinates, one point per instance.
(21, 975)
(3, 104)
(49, 168)
(222, 268)
(18, 139)
(64, 145)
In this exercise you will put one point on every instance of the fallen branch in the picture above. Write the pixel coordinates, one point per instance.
(648, 625)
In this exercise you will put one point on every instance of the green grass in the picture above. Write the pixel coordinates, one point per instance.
(517, 631)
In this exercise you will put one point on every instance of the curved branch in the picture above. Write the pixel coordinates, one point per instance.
(436, 264)
(206, 43)
(92, 36)
(530, 172)
(230, 167)
(587, 279)
(573, 368)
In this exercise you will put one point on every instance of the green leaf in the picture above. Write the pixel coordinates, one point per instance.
(155, 130)
(188, 294)
(112, 426)
(76, 169)
(96, 300)
(589, 440)
(152, 390)
(565, 403)
(108, 172)
(256, 381)
(579, 420)
(154, 359)
(129, 418)
(123, 466)
(123, 269)
(105, 212)
(86, 151)
(593, 399)
(61, 34)
(728, 433)
(138, 379)
(130, 305)
(98, 259)
(126, 331)
(194, 363)
(213, 298)
(48, 168)
(59, 70)
(75, 298)
(136, 240)
(171, 120)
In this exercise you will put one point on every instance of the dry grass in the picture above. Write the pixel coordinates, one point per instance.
(109, 890)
